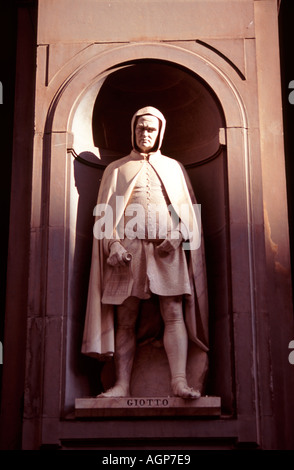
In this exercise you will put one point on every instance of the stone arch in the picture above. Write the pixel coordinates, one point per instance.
(86, 78)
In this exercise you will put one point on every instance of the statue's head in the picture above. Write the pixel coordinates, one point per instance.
(148, 126)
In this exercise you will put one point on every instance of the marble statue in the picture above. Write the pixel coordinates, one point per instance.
(147, 241)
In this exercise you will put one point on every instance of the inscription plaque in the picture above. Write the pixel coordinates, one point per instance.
(147, 406)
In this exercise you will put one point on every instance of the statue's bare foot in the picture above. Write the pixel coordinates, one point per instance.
(115, 392)
(182, 390)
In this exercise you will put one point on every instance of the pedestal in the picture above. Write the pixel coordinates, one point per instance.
(147, 406)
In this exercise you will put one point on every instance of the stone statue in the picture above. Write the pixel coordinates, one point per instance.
(147, 241)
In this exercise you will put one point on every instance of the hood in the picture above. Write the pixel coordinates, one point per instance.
(153, 112)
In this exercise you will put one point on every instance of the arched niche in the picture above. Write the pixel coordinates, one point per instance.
(193, 113)
(194, 119)
(207, 100)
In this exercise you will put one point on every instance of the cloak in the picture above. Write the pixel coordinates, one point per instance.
(119, 179)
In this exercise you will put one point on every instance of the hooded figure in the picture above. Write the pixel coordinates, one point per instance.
(147, 222)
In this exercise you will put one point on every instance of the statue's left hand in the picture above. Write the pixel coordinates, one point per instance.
(171, 243)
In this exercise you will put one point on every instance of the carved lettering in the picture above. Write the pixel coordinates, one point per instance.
(146, 402)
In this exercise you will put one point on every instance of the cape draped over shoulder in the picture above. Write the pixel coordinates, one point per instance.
(119, 179)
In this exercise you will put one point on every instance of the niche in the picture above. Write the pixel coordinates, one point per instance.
(194, 119)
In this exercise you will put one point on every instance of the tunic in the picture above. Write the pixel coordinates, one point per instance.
(149, 271)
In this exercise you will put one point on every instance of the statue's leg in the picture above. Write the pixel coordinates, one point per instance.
(125, 346)
(176, 345)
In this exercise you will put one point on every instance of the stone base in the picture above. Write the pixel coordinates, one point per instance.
(147, 406)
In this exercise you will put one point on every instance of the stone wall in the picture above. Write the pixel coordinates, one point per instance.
(217, 64)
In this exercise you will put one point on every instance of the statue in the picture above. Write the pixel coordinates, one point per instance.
(147, 241)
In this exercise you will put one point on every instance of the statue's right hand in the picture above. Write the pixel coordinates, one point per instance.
(117, 255)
